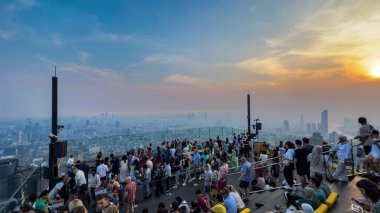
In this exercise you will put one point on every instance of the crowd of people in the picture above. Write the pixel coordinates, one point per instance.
(113, 182)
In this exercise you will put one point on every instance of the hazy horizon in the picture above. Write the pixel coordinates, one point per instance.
(179, 57)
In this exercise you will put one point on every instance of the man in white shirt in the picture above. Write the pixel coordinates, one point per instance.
(80, 179)
(70, 162)
(102, 170)
(94, 182)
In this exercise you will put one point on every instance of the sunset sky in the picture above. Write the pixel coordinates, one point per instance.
(164, 57)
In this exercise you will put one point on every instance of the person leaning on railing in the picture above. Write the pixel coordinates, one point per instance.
(372, 160)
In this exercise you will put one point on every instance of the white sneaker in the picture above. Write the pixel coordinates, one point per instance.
(284, 182)
(196, 184)
(184, 184)
(174, 187)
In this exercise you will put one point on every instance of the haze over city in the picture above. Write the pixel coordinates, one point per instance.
(180, 57)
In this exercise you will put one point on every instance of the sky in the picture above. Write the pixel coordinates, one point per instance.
(171, 57)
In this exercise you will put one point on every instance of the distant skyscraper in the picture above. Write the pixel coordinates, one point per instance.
(302, 124)
(325, 122)
(313, 127)
(286, 126)
(87, 123)
(308, 128)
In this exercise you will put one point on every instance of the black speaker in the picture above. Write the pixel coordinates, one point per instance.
(258, 126)
(60, 149)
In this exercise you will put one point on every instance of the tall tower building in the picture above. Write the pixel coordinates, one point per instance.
(286, 126)
(325, 122)
(302, 124)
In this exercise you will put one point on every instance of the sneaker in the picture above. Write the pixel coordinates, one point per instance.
(196, 184)
(284, 182)
(184, 184)
(286, 195)
(169, 194)
(175, 186)
(167, 191)
(135, 206)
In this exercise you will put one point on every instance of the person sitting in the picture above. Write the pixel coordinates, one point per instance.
(315, 184)
(310, 198)
(229, 201)
(371, 192)
(182, 203)
(325, 188)
(219, 206)
(291, 204)
(260, 185)
(239, 202)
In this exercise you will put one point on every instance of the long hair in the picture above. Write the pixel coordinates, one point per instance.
(370, 190)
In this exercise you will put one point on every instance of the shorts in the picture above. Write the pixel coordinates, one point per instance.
(301, 171)
(103, 178)
(367, 149)
(207, 189)
(243, 184)
(220, 185)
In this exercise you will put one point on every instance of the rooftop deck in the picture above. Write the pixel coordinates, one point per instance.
(268, 199)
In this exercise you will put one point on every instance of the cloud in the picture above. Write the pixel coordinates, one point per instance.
(83, 57)
(337, 44)
(20, 5)
(57, 41)
(85, 70)
(5, 35)
(186, 80)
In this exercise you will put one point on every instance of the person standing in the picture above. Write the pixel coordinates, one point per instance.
(102, 170)
(147, 180)
(168, 175)
(344, 154)
(288, 165)
(80, 179)
(159, 175)
(316, 161)
(365, 134)
(115, 165)
(94, 182)
(309, 149)
(372, 161)
(124, 170)
(300, 159)
(208, 180)
(130, 195)
(222, 175)
(245, 178)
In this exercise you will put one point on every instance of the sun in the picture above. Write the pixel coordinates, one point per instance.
(375, 72)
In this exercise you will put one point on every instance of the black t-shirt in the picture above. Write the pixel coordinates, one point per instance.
(301, 155)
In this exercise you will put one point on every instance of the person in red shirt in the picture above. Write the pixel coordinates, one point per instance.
(201, 201)
(130, 195)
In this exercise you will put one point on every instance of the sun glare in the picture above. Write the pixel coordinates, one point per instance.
(373, 67)
(375, 72)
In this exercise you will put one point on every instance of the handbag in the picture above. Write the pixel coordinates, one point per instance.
(329, 176)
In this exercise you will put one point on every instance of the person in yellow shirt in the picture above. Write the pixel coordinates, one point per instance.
(219, 206)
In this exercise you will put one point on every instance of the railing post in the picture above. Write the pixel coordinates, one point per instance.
(352, 156)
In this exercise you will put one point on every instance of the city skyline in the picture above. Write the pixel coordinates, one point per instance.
(149, 58)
